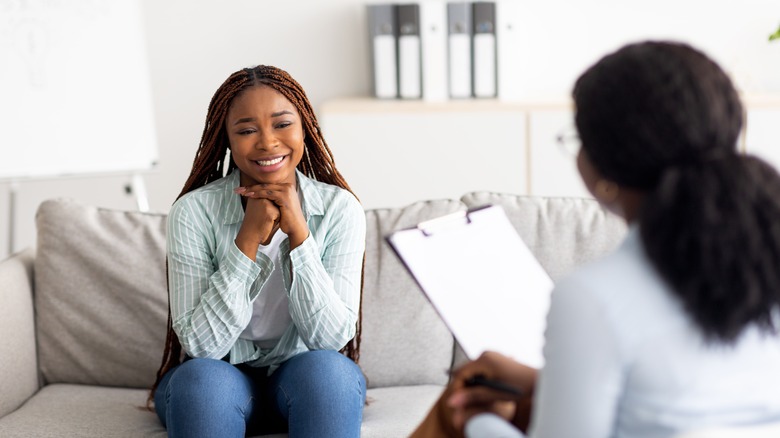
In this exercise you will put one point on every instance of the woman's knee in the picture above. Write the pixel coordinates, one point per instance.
(209, 379)
(205, 397)
(326, 372)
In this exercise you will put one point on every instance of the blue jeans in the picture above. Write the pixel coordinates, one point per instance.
(314, 394)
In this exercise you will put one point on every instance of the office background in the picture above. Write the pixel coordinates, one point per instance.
(193, 45)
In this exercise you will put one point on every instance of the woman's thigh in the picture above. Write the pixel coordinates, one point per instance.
(320, 393)
(205, 397)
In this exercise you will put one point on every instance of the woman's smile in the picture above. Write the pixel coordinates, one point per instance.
(271, 164)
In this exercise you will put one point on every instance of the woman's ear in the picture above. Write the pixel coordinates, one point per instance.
(605, 191)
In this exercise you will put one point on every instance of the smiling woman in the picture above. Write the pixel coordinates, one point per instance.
(266, 144)
(264, 274)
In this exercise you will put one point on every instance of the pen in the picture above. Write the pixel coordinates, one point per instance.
(481, 380)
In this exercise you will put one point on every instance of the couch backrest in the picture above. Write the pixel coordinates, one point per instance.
(101, 301)
(18, 356)
(404, 340)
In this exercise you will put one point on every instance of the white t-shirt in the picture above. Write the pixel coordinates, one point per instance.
(270, 315)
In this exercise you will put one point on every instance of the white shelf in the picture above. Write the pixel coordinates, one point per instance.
(761, 101)
(361, 104)
(373, 105)
(394, 151)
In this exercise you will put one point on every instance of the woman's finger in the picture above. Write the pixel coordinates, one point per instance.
(278, 194)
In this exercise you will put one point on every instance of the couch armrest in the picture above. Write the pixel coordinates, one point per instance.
(18, 360)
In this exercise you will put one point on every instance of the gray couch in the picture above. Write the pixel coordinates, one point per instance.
(82, 316)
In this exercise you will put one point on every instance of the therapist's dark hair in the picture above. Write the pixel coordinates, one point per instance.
(663, 118)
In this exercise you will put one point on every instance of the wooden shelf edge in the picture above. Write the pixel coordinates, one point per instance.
(761, 101)
(362, 104)
(373, 105)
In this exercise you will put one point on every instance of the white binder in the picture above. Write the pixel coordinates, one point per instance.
(484, 49)
(511, 48)
(382, 32)
(409, 51)
(483, 281)
(433, 38)
(459, 49)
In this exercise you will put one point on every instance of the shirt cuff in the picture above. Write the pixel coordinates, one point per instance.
(243, 267)
(307, 252)
(490, 425)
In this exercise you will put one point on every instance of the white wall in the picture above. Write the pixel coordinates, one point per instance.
(193, 45)
(569, 35)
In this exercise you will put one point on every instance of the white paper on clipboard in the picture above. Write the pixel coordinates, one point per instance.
(482, 279)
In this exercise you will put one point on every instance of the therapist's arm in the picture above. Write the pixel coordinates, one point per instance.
(579, 387)
(490, 426)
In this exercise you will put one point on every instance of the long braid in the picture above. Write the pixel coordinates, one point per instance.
(209, 165)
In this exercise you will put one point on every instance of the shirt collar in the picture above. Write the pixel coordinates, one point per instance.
(633, 238)
(233, 212)
(312, 203)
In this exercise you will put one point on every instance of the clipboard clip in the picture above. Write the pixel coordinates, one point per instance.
(460, 218)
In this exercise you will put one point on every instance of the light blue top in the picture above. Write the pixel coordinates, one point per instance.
(213, 284)
(624, 360)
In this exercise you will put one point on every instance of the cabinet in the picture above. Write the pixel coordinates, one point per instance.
(395, 152)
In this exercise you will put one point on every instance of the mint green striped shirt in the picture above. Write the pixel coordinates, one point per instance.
(213, 284)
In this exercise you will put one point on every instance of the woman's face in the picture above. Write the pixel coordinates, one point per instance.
(266, 136)
(605, 192)
(588, 173)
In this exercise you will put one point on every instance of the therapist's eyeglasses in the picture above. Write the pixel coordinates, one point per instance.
(569, 141)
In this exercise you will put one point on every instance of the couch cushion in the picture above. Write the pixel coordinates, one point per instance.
(100, 294)
(562, 233)
(404, 340)
(64, 410)
(397, 411)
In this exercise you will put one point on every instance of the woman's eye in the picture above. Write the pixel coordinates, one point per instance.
(246, 131)
(284, 124)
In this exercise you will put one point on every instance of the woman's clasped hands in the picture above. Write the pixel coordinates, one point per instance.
(271, 207)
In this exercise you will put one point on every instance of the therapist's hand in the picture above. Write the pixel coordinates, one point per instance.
(467, 401)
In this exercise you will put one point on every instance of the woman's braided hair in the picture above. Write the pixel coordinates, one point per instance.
(663, 118)
(209, 165)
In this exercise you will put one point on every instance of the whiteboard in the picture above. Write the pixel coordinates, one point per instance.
(75, 89)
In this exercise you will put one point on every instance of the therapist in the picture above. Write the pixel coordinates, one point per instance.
(677, 329)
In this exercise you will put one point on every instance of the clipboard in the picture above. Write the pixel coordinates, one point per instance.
(482, 280)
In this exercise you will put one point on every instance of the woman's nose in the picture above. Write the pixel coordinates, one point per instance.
(266, 141)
